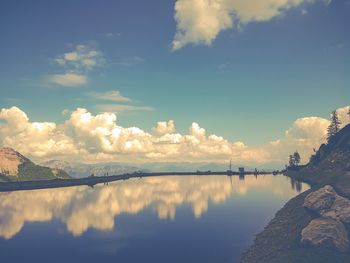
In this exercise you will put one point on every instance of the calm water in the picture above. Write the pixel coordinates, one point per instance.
(160, 219)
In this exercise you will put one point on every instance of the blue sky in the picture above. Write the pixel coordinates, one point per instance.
(249, 84)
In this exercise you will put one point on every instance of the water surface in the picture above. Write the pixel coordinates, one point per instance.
(157, 219)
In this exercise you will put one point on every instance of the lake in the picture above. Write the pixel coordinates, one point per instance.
(156, 219)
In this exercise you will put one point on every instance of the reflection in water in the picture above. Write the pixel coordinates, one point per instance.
(296, 185)
(81, 207)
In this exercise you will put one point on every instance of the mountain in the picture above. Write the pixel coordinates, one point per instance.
(14, 166)
(79, 170)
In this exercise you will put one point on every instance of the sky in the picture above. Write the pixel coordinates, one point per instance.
(143, 81)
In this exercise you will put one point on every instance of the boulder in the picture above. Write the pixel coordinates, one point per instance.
(327, 203)
(321, 200)
(340, 210)
(326, 232)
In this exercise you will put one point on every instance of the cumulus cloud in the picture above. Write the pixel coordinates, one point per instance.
(68, 79)
(343, 115)
(305, 135)
(164, 127)
(112, 95)
(90, 138)
(40, 139)
(200, 21)
(99, 137)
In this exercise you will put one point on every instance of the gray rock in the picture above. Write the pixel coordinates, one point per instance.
(327, 203)
(340, 210)
(321, 200)
(326, 232)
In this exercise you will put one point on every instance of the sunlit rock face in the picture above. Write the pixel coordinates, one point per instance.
(9, 161)
(81, 208)
(14, 166)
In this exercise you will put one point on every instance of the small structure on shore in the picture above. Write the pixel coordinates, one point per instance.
(229, 171)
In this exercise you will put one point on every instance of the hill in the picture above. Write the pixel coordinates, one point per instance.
(330, 164)
(16, 167)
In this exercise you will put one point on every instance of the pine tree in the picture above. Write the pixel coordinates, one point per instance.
(334, 126)
(296, 157)
(291, 161)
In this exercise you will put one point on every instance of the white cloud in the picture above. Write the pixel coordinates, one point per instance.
(90, 138)
(76, 63)
(120, 108)
(306, 134)
(113, 95)
(164, 127)
(40, 139)
(71, 56)
(343, 115)
(68, 79)
(82, 57)
(200, 21)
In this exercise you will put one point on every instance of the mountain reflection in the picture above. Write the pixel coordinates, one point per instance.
(81, 207)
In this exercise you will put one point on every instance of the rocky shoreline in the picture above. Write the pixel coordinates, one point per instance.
(287, 237)
(315, 225)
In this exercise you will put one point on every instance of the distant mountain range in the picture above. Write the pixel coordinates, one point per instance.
(16, 167)
(79, 170)
(192, 167)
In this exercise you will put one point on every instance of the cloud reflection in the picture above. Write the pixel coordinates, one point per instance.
(81, 208)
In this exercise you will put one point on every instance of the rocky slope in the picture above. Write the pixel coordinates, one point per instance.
(333, 156)
(16, 167)
(330, 164)
(332, 213)
(314, 226)
(332, 159)
(281, 241)
(79, 170)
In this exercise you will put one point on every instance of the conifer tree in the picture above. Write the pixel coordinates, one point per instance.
(334, 126)
(291, 160)
(296, 157)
